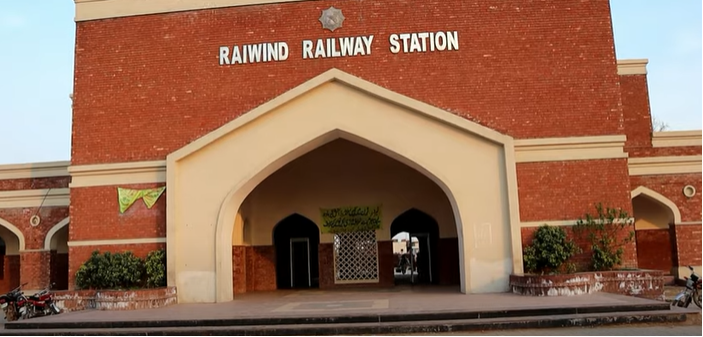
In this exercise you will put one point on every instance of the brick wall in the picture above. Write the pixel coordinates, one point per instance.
(95, 215)
(664, 151)
(528, 69)
(35, 269)
(671, 186)
(567, 190)
(654, 250)
(239, 269)
(34, 183)
(635, 102)
(78, 255)
(688, 245)
(11, 273)
(261, 268)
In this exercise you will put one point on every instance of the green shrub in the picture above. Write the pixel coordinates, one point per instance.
(95, 273)
(110, 271)
(548, 251)
(608, 232)
(156, 269)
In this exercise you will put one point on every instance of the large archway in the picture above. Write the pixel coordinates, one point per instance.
(207, 187)
(12, 243)
(296, 240)
(654, 217)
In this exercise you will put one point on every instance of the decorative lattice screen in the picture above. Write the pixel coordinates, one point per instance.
(355, 257)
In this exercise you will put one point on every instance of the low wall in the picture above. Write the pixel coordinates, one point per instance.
(639, 283)
(115, 299)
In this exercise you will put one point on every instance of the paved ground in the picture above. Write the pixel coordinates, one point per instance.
(317, 303)
(621, 330)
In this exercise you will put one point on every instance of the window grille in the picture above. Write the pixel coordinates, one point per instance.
(356, 257)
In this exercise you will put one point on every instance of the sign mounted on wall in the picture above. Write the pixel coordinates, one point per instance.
(351, 219)
(343, 46)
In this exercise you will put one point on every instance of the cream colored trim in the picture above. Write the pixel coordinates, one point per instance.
(38, 250)
(632, 67)
(53, 230)
(12, 228)
(548, 223)
(572, 148)
(103, 9)
(664, 165)
(555, 223)
(641, 190)
(35, 198)
(676, 138)
(115, 242)
(119, 173)
(34, 170)
(689, 223)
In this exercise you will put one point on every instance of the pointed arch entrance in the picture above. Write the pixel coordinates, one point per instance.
(10, 247)
(655, 216)
(422, 245)
(296, 240)
(210, 178)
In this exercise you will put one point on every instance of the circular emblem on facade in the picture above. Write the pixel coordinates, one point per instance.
(332, 18)
(689, 191)
(35, 220)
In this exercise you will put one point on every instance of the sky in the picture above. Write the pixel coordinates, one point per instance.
(36, 69)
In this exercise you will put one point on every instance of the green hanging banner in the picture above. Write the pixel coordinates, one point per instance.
(351, 219)
(126, 197)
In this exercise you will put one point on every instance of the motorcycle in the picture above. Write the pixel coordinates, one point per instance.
(692, 292)
(10, 304)
(17, 305)
(40, 304)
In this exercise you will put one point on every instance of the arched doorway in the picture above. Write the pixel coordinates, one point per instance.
(12, 243)
(421, 248)
(296, 240)
(56, 242)
(653, 232)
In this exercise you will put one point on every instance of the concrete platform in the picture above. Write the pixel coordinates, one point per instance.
(397, 310)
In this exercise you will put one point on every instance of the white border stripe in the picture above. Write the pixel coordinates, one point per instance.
(115, 242)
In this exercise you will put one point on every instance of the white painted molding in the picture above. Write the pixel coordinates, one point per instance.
(548, 223)
(104, 9)
(115, 242)
(664, 165)
(676, 138)
(690, 223)
(526, 150)
(572, 148)
(118, 173)
(556, 223)
(632, 67)
(50, 234)
(664, 201)
(41, 250)
(35, 198)
(34, 170)
(12, 228)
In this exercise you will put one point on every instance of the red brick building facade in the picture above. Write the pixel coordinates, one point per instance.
(150, 80)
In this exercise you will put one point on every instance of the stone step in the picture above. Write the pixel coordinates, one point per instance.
(376, 328)
(65, 322)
